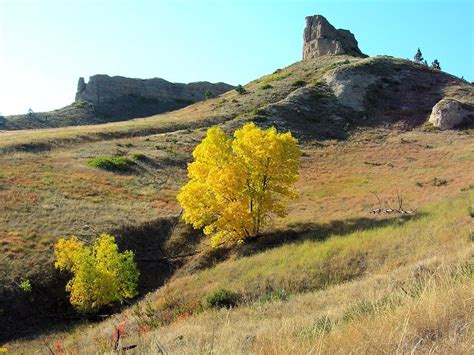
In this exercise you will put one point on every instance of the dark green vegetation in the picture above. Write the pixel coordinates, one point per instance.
(222, 298)
(114, 163)
(240, 89)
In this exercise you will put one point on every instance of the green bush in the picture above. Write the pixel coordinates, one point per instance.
(257, 111)
(112, 163)
(471, 211)
(240, 89)
(25, 285)
(139, 156)
(79, 104)
(439, 182)
(208, 94)
(266, 87)
(299, 83)
(222, 298)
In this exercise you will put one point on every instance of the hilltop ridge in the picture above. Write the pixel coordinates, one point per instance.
(110, 99)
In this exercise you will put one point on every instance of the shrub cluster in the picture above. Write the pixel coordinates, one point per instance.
(298, 83)
(240, 89)
(111, 163)
(222, 298)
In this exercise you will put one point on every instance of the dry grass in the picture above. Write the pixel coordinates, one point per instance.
(415, 293)
(420, 308)
(59, 194)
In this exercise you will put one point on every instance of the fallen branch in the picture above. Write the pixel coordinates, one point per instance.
(389, 210)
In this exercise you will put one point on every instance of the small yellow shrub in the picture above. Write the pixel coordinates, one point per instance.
(102, 275)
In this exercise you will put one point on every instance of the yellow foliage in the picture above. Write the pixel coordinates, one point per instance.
(102, 275)
(236, 185)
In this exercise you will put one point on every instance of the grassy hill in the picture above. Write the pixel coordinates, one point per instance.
(329, 274)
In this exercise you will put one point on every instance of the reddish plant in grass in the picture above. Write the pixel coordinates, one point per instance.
(119, 332)
(184, 315)
(59, 348)
(144, 329)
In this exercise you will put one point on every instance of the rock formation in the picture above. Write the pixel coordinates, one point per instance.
(107, 99)
(123, 98)
(321, 38)
(449, 113)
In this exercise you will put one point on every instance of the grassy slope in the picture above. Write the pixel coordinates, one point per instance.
(45, 180)
(411, 289)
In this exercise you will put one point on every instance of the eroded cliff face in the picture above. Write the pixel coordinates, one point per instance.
(129, 98)
(321, 38)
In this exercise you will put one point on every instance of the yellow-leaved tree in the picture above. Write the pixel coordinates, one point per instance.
(101, 274)
(236, 185)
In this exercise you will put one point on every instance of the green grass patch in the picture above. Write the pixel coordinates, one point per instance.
(266, 87)
(275, 77)
(112, 163)
(278, 295)
(80, 104)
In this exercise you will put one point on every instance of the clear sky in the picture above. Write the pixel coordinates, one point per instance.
(45, 46)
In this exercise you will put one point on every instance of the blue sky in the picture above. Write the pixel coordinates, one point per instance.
(45, 46)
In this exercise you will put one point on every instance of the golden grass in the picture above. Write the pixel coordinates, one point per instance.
(415, 293)
(422, 307)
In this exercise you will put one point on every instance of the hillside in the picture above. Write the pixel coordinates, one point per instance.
(46, 179)
(328, 276)
(111, 99)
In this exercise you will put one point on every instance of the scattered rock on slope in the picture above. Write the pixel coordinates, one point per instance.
(449, 113)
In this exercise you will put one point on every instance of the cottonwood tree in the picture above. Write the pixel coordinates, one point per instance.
(101, 274)
(236, 185)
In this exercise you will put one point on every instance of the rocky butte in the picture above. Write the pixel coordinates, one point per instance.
(107, 99)
(124, 98)
(322, 38)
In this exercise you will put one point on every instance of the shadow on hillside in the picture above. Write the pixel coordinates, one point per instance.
(155, 245)
(162, 248)
(401, 97)
(301, 232)
(159, 247)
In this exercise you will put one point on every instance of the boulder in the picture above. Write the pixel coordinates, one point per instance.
(449, 113)
(321, 38)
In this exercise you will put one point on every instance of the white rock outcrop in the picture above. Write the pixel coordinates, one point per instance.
(449, 113)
